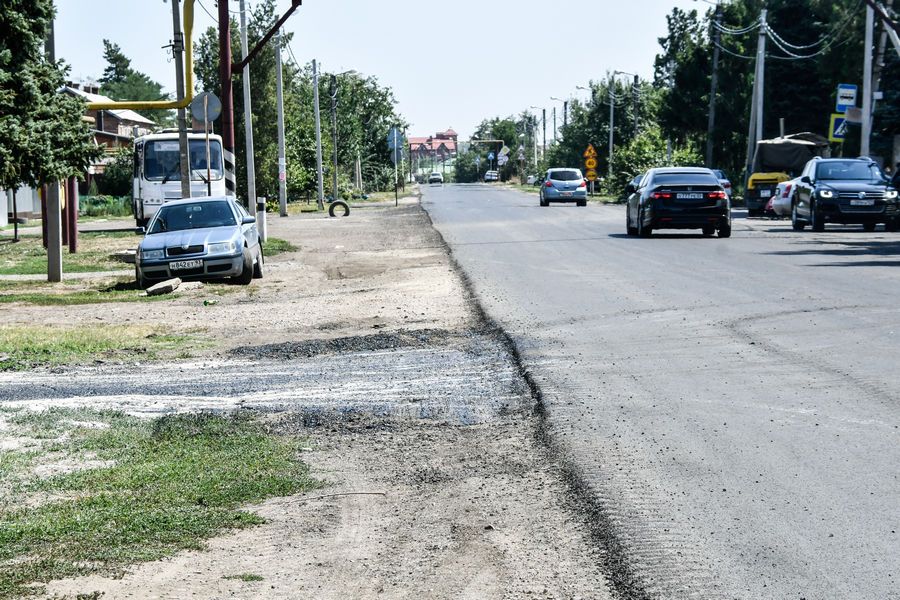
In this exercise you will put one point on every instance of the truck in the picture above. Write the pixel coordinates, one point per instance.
(157, 171)
(778, 160)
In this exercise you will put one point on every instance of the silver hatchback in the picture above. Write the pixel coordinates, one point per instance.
(564, 185)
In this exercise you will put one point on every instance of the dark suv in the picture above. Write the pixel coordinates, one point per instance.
(844, 190)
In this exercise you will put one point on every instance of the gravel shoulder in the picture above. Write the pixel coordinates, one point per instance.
(364, 341)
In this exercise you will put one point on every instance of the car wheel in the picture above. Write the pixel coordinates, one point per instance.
(709, 230)
(870, 227)
(796, 223)
(582, 203)
(643, 230)
(891, 225)
(141, 281)
(725, 231)
(246, 273)
(815, 219)
(259, 267)
(544, 201)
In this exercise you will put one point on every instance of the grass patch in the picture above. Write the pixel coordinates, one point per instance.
(274, 246)
(174, 482)
(25, 347)
(244, 577)
(28, 257)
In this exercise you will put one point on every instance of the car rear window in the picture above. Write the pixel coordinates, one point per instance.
(195, 215)
(567, 175)
(688, 178)
(719, 174)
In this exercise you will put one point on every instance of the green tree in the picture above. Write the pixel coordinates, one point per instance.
(42, 135)
(121, 82)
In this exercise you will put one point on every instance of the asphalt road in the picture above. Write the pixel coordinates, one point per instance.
(730, 404)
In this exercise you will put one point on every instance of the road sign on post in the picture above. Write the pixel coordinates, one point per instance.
(846, 97)
(590, 163)
(837, 129)
(395, 142)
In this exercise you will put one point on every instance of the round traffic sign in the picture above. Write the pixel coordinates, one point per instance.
(213, 107)
(590, 163)
(591, 174)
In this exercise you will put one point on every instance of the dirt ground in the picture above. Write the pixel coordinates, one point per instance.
(437, 483)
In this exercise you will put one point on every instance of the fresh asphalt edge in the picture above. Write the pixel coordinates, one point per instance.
(615, 560)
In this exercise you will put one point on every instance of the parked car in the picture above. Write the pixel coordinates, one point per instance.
(844, 190)
(679, 198)
(724, 182)
(538, 180)
(436, 178)
(784, 197)
(564, 185)
(200, 238)
(531, 180)
(492, 176)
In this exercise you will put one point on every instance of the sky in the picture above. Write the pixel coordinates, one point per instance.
(450, 64)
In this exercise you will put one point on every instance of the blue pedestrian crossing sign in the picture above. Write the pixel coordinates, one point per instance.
(490, 156)
(837, 130)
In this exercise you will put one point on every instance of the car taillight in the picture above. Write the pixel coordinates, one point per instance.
(549, 184)
(583, 183)
(720, 195)
(663, 195)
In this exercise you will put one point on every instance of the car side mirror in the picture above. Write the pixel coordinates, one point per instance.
(140, 231)
(806, 179)
(248, 220)
(629, 189)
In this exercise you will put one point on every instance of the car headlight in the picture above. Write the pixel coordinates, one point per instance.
(890, 194)
(221, 248)
(152, 254)
(826, 194)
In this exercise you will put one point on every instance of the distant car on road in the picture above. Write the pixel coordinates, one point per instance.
(492, 176)
(200, 238)
(531, 179)
(724, 182)
(679, 198)
(784, 198)
(435, 178)
(564, 185)
(844, 190)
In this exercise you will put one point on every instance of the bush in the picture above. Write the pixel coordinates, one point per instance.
(104, 206)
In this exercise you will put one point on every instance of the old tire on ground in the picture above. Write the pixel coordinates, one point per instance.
(246, 273)
(259, 267)
(332, 208)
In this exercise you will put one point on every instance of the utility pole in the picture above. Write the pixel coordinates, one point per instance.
(248, 116)
(334, 134)
(53, 215)
(611, 125)
(671, 67)
(761, 75)
(321, 187)
(634, 104)
(177, 51)
(544, 126)
(714, 80)
(867, 83)
(227, 100)
(565, 113)
(554, 124)
(282, 160)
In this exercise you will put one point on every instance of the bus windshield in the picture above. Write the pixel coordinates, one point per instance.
(161, 160)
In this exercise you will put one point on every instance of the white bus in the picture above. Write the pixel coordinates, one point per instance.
(157, 171)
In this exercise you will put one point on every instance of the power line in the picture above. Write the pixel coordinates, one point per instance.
(206, 11)
(730, 31)
(735, 54)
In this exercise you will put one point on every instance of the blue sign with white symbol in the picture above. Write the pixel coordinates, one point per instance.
(490, 156)
(846, 97)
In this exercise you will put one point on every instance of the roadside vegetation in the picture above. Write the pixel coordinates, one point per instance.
(95, 253)
(30, 346)
(275, 246)
(87, 491)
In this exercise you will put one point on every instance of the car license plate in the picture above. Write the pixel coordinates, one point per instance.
(689, 196)
(565, 194)
(864, 202)
(765, 193)
(185, 264)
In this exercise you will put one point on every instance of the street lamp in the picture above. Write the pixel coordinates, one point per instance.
(565, 115)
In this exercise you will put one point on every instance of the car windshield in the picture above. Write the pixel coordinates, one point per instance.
(162, 160)
(195, 215)
(687, 178)
(848, 169)
(567, 175)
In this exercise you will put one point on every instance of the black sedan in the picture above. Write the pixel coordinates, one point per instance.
(679, 198)
(844, 190)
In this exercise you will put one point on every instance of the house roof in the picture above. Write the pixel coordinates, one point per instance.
(121, 114)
